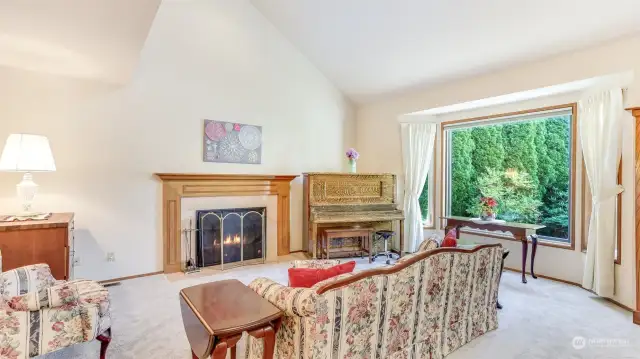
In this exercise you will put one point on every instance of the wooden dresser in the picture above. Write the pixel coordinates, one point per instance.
(31, 242)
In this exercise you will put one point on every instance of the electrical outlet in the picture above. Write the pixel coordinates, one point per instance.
(76, 262)
(111, 257)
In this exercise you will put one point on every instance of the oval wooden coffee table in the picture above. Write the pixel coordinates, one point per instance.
(216, 314)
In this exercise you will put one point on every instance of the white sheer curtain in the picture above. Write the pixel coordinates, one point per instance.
(601, 117)
(417, 151)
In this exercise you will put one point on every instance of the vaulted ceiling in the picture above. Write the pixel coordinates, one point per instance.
(368, 48)
(373, 48)
(94, 39)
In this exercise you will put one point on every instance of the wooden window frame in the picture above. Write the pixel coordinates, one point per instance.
(572, 173)
(586, 214)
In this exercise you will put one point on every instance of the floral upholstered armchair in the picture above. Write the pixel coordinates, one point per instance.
(39, 315)
(430, 243)
(319, 263)
(424, 306)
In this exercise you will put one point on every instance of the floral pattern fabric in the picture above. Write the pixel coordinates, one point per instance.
(430, 243)
(292, 301)
(427, 309)
(331, 280)
(25, 280)
(39, 315)
(316, 263)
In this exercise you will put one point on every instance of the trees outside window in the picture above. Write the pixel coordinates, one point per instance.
(524, 162)
(424, 201)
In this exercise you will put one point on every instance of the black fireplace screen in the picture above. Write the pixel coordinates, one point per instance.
(230, 235)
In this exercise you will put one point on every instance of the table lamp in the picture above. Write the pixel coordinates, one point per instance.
(27, 153)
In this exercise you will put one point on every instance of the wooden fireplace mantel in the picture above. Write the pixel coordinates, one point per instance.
(175, 186)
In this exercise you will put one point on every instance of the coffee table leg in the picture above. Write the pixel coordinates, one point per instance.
(269, 343)
(268, 335)
(220, 351)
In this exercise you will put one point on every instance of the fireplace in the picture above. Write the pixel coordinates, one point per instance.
(231, 236)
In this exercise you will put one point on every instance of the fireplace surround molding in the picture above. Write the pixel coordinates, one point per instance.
(176, 186)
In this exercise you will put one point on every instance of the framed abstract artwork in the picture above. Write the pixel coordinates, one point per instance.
(230, 142)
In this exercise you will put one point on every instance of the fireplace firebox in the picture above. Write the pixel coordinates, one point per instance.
(231, 236)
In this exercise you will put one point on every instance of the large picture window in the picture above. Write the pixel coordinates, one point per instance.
(524, 161)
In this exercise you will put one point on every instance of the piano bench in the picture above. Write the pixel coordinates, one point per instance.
(327, 235)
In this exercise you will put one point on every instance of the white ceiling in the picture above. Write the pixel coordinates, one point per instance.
(372, 48)
(98, 39)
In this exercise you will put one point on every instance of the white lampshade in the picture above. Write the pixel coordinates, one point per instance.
(27, 153)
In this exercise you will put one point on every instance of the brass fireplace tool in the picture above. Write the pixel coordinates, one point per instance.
(190, 264)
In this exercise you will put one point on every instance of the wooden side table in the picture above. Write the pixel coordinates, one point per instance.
(47, 241)
(216, 314)
(520, 231)
(364, 234)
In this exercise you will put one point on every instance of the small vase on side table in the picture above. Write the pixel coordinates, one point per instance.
(488, 217)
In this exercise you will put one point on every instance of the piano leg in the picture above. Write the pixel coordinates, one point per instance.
(314, 240)
(401, 231)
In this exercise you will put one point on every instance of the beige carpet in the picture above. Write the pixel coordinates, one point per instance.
(540, 320)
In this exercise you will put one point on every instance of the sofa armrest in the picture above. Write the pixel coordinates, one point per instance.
(299, 302)
(430, 243)
(316, 263)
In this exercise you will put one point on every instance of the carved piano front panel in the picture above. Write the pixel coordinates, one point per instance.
(347, 199)
(348, 188)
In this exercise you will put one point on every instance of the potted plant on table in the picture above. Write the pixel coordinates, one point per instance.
(488, 207)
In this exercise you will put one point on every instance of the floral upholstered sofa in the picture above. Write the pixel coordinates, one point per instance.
(39, 315)
(426, 305)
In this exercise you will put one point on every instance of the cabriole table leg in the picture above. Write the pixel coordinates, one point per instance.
(534, 247)
(525, 249)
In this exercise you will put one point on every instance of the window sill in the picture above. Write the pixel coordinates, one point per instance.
(428, 224)
(509, 237)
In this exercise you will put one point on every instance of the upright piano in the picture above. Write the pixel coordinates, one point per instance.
(348, 200)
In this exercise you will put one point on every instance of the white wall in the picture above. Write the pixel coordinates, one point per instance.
(217, 60)
(383, 153)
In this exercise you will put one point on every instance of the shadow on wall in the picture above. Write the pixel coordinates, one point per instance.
(87, 251)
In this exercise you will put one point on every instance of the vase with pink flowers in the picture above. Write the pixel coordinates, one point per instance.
(488, 206)
(352, 157)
